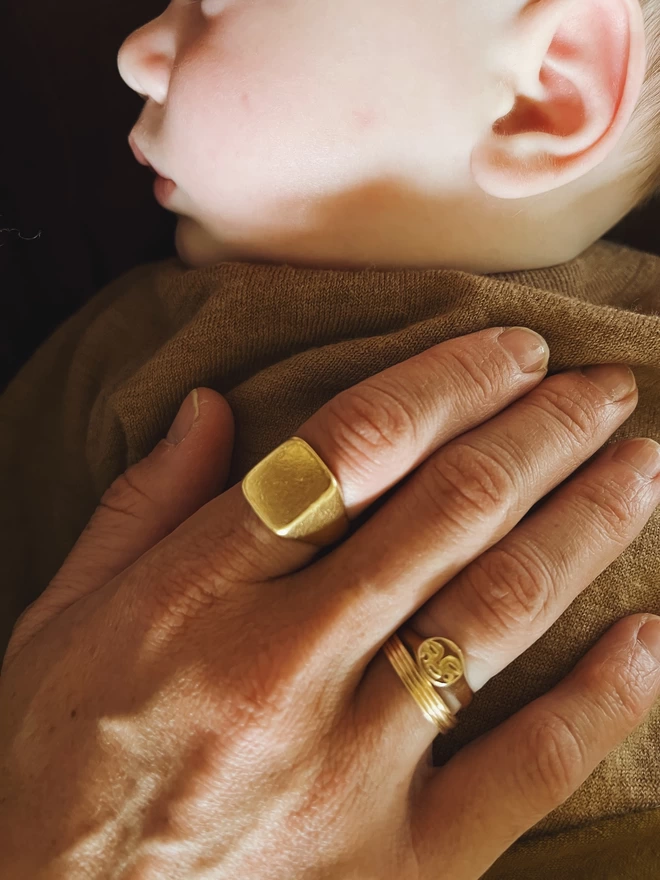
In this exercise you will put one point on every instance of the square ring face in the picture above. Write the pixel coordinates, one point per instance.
(286, 484)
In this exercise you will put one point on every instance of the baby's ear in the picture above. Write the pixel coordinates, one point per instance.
(574, 74)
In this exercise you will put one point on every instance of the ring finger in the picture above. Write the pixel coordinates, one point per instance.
(502, 603)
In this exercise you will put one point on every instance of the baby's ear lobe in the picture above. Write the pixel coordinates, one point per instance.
(577, 72)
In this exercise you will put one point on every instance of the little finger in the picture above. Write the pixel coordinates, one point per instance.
(508, 780)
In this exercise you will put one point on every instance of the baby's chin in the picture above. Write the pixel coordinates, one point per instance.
(196, 247)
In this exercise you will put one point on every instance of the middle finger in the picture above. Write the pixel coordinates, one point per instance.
(462, 501)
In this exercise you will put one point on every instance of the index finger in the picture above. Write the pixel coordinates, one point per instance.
(373, 434)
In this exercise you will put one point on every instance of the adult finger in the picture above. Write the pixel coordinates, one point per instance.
(508, 780)
(371, 436)
(506, 599)
(463, 500)
(500, 605)
(142, 506)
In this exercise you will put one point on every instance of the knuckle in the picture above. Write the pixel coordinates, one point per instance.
(126, 496)
(26, 616)
(368, 420)
(27, 623)
(509, 586)
(610, 507)
(467, 485)
(270, 677)
(257, 693)
(567, 402)
(557, 761)
(623, 685)
(474, 370)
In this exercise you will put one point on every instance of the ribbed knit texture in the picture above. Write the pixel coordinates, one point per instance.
(279, 342)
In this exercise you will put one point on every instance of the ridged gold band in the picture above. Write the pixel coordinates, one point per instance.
(422, 692)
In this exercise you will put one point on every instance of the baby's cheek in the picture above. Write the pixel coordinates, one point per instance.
(363, 119)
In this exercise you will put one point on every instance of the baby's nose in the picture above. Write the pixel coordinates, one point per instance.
(145, 60)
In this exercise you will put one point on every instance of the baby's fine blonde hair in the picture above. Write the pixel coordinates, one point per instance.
(646, 147)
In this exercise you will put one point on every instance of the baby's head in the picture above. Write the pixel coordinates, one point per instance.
(483, 135)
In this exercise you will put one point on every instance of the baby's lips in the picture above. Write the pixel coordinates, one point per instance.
(137, 152)
(142, 159)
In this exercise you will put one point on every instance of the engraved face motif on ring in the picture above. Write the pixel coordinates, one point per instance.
(441, 661)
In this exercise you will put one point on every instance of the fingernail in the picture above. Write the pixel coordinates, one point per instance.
(185, 419)
(616, 380)
(649, 636)
(531, 351)
(643, 455)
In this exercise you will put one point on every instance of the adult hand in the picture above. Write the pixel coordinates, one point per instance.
(209, 700)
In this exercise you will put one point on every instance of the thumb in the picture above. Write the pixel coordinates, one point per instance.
(142, 506)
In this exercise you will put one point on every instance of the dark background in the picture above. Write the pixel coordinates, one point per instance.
(76, 209)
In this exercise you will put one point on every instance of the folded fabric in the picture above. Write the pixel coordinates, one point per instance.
(279, 342)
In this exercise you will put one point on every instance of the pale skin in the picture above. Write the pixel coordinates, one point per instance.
(468, 134)
(195, 697)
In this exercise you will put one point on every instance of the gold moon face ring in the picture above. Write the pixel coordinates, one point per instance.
(442, 664)
(441, 661)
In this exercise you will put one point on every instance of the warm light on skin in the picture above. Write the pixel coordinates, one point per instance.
(360, 132)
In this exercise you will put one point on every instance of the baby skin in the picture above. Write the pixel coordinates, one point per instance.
(459, 134)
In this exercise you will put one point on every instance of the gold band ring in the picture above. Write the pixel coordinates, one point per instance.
(433, 671)
(424, 694)
(296, 496)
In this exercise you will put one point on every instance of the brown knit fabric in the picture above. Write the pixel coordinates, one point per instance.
(279, 341)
